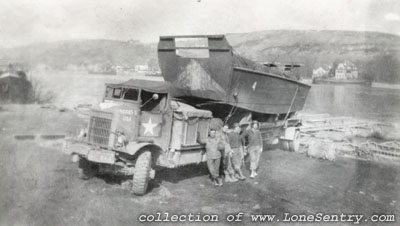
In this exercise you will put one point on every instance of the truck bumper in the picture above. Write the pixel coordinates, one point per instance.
(89, 152)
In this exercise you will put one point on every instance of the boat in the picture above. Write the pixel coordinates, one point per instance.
(205, 71)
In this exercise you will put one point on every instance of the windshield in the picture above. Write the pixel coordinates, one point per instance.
(149, 103)
(122, 93)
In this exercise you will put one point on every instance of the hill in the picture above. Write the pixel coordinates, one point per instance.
(325, 46)
(376, 54)
(61, 54)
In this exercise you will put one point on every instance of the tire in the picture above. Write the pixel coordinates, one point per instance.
(294, 145)
(284, 145)
(142, 173)
(87, 169)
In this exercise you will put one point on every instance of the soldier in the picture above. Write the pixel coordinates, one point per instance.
(254, 138)
(227, 160)
(214, 147)
(236, 143)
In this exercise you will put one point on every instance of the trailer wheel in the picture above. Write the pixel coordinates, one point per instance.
(284, 145)
(294, 145)
(142, 173)
(87, 169)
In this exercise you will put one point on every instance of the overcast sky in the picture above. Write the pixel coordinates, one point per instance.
(26, 21)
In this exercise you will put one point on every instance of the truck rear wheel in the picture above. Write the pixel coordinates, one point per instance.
(142, 173)
(284, 144)
(294, 145)
(87, 169)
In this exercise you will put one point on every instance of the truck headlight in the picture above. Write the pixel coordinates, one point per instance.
(82, 133)
(75, 158)
(121, 139)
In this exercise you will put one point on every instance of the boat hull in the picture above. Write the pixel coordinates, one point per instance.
(225, 78)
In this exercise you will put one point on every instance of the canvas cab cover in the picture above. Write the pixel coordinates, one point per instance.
(186, 111)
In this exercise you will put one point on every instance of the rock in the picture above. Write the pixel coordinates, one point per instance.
(322, 149)
(386, 132)
(363, 132)
(126, 185)
(164, 192)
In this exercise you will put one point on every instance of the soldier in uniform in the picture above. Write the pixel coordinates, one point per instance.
(214, 148)
(255, 146)
(236, 141)
(227, 165)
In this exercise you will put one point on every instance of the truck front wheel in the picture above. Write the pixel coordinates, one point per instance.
(142, 173)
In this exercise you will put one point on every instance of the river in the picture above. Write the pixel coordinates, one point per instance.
(357, 101)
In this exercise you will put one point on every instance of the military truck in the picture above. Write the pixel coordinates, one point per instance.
(137, 128)
(144, 124)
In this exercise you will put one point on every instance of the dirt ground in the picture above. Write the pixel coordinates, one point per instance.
(39, 184)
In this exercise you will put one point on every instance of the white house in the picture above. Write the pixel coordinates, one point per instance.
(141, 68)
(346, 70)
(319, 72)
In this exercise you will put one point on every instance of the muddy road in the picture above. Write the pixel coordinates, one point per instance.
(39, 184)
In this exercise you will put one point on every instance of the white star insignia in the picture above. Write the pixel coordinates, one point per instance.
(148, 127)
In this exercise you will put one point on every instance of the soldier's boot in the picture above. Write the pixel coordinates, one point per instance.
(233, 178)
(219, 182)
(241, 176)
(253, 175)
(228, 178)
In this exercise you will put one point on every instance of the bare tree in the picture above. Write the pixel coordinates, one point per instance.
(39, 94)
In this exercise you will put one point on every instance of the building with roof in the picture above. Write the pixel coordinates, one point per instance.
(320, 72)
(346, 70)
(15, 88)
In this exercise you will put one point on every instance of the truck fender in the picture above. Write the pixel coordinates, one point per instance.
(133, 148)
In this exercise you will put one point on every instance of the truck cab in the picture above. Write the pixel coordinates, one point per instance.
(136, 129)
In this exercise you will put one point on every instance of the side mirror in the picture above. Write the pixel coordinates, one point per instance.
(155, 96)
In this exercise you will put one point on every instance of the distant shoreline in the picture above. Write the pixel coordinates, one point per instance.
(385, 85)
(338, 81)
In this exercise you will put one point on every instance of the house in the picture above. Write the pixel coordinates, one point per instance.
(142, 68)
(319, 72)
(346, 70)
(15, 88)
(119, 69)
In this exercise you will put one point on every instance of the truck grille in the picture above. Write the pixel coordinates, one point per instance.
(100, 128)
